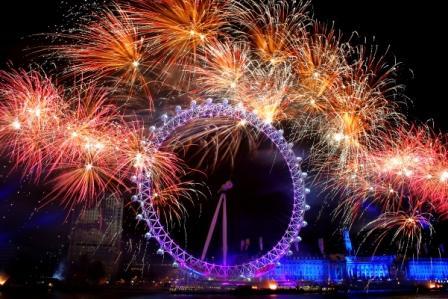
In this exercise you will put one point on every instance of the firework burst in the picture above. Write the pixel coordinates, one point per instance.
(223, 68)
(213, 143)
(405, 229)
(177, 31)
(319, 61)
(108, 48)
(407, 169)
(31, 106)
(271, 27)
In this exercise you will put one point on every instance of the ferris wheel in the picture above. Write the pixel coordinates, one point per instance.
(252, 268)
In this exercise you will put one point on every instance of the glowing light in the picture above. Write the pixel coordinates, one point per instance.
(88, 166)
(16, 125)
(242, 123)
(410, 221)
(36, 112)
(99, 146)
(444, 176)
(139, 161)
(407, 172)
(272, 285)
(268, 118)
(338, 137)
(3, 279)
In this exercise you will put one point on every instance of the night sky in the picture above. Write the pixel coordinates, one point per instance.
(414, 30)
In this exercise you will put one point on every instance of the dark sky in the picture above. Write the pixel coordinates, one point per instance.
(415, 31)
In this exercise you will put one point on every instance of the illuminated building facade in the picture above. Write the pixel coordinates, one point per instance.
(318, 270)
(428, 269)
(376, 267)
(379, 268)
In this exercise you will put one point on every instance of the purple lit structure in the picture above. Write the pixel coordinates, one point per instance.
(253, 268)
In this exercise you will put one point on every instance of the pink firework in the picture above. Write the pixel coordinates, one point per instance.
(31, 109)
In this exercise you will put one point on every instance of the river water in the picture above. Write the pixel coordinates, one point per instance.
(110, 295)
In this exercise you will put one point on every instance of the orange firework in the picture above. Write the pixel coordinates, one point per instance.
(229, 71)
(405, 229)
(81, 143)
(108, 48)
(219, 143)
(352, 113)
(271, 26)
(223, 68)
(82, 181)
(360, 115)
(265, 91)
(178, 29)
(320, 64)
